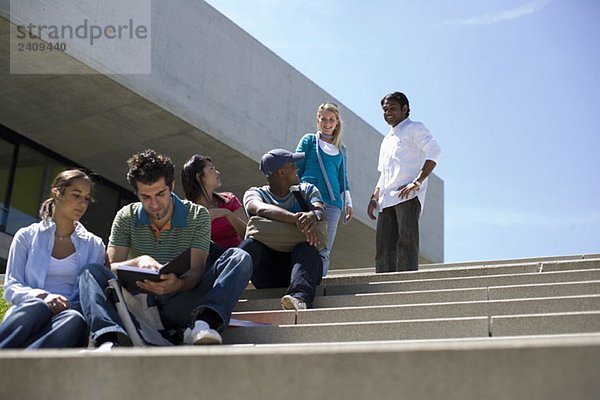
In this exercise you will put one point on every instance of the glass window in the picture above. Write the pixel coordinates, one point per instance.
(6, 156)
(100, 214)
(35, 169)
(33, 177)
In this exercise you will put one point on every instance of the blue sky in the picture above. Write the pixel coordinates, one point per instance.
(511, 90)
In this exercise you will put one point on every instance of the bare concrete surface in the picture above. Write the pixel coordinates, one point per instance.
(512, 368)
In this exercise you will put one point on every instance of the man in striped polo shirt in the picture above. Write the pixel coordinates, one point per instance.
(149, 233)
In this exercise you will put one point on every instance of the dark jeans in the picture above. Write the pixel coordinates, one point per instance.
(219, 290)
(31, 325)
(398, 237)
(301, 270)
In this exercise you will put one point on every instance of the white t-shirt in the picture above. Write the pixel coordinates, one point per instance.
(62, 275)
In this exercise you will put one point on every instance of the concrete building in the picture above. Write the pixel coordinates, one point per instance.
(213, 89)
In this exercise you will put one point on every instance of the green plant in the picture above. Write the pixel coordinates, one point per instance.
(3, 305)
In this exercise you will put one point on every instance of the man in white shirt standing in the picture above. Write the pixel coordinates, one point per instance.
(407, 156)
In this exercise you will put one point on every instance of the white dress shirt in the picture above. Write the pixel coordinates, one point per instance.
(402, 154)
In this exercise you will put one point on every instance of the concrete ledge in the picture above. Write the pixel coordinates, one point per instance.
(375, 299)
(544, 290)
(511, 261)
(436, 296)
(275, 293)
(570, 265)
(449, 310)
(546, 324)
(361, 331)
(465, 282)
(426, 267)
(507, 368)
(279, 317)
(432, 274)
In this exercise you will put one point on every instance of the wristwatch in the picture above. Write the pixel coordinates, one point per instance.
(318, 215)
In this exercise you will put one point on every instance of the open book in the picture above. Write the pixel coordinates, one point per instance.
(129, 275)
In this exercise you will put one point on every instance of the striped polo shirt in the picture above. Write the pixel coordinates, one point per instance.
(189, 227)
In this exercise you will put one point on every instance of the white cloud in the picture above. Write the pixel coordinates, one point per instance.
(503, 16)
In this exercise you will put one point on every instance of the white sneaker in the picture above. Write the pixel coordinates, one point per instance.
(289, 302)
(200, 334)
(105, 347)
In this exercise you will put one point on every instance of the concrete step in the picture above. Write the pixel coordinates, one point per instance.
(449, 310)
(431, 274)
(435, 296)
(464, 272)
(546, 324)
(418, 281)
(544, 290)
(522, 368)
(361, 331)
(574, 257)
(481, 263)
(515, 325)
(374, 299)
(467, 282)
(510, 325)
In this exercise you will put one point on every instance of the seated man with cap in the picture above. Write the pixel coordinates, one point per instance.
(301, 269)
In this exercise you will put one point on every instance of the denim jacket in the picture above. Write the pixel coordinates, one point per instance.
(29, 256)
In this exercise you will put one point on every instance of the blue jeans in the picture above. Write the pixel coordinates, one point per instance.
(32, 326)
(219, 290)
(300, 270)
(333, 218)
(397, 237)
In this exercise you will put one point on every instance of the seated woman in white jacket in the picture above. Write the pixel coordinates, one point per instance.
(41, 273)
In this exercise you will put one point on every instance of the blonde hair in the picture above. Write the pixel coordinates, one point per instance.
(337, 132)
(61, 183)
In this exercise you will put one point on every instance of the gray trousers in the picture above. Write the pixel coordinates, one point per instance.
(398, 237)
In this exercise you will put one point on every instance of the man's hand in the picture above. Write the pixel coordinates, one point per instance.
(305, 221)
(312, 238)
(147, 262)
(371, 209)
(56, 303)
(169, 283)
(407, 189)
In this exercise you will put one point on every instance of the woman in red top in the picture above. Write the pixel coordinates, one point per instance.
(200, 180)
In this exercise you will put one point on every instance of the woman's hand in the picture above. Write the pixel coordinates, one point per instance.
(56, 303)
(348, 214)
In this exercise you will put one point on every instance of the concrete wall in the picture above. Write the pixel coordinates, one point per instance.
(223, 82)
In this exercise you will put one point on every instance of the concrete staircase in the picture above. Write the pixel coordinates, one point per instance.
(512, 329)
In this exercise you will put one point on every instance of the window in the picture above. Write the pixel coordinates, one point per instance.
(33, 175)
(26, 173)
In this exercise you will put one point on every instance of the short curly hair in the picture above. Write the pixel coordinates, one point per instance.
(148, 167)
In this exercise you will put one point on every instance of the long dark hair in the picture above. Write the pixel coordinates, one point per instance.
(61, 182)
(191, 179)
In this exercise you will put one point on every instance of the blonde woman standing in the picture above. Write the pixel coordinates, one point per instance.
(325, 166)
